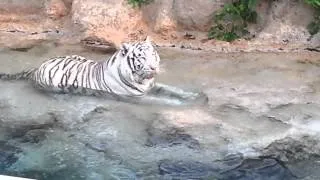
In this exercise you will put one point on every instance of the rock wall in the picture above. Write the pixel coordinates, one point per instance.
(25, 23)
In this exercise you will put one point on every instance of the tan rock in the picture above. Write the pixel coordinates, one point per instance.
(159, 17)
(56, 9)
(112, 20)
(195, 14)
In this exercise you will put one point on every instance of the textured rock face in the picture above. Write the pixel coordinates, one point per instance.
(24, 23)
(106, 18)
(168, 15)
(194, 14)
(159, 16)
(22, 4)
(285, 21)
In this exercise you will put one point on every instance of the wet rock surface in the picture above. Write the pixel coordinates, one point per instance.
(232, 167)
(170, 137)
(297, 154)
(9, 154)
(293, 150)
(263, 110)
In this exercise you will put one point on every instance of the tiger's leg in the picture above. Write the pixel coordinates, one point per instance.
(171, 92)
(151, 100)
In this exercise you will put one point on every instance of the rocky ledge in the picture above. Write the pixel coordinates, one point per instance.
(24, 24)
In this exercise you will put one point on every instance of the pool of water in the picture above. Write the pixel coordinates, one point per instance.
(262, 121)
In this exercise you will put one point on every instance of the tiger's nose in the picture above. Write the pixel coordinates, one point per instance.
(154, 69)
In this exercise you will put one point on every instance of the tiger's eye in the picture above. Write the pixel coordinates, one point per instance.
(139, 66)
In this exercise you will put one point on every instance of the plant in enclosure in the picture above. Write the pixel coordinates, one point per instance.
(314, 26)
(138, 3)
(314, 3)
(232, 21)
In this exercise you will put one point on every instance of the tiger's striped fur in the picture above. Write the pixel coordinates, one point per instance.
(129, 72)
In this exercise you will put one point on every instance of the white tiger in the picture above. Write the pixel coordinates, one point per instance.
(130, 72)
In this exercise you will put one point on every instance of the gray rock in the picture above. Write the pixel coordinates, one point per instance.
(234, 167)
(18, 131)
(293, 150)
(34, 136)
(258, 169)
(97, 146)
(171, 169)
(170, 137)
(300, 155)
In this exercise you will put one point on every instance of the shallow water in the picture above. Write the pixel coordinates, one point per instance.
(254, 100)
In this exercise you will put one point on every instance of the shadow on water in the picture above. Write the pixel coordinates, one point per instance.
(260, 121)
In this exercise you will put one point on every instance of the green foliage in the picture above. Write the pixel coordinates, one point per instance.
(231, 22)
(314, 26)
(138, 3)
(314, 3)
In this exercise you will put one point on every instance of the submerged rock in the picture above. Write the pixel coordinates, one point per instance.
(300, 155)
(171, 169)
(33, 132)
(258, 169)
(171, 137)
(261, 168)
(8, 155)
(293, 150)
(34, 136)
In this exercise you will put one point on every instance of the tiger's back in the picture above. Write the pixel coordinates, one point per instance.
(68, 74)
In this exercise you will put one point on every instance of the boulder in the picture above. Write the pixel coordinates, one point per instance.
(164, 16)
(159, 16)
(196, 15)
(283, 22)
(109, 19)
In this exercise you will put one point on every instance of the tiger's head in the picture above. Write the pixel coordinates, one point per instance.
(140, 61)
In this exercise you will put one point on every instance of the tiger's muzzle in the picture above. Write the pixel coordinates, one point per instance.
(150, 74)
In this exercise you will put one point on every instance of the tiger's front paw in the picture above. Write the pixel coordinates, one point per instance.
(195, 98)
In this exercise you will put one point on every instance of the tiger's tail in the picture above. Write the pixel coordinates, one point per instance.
(24, 75)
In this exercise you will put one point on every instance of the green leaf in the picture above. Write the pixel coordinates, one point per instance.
(252, 4)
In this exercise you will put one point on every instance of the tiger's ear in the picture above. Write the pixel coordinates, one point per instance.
(124, 48)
